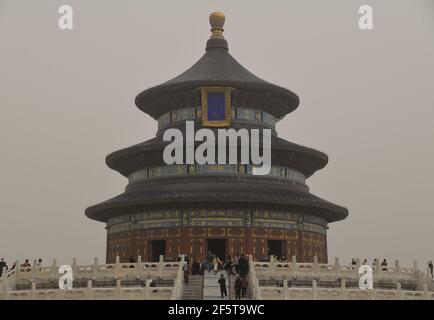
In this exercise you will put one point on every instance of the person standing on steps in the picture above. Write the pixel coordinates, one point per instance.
(3, 266)
(243, 266)
(236, 263)
(238, 288)
(222, 282)
(186, 269)
(431, 267)
(244, 285)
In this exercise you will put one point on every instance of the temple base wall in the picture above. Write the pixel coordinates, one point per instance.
(194, 242)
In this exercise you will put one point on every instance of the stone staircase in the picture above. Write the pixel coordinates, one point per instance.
(211, 287)
(194, 289)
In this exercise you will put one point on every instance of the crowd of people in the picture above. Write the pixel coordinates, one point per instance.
(213, 263)
(384, 265)
(237, 265)
(240, 286)
(25, 264)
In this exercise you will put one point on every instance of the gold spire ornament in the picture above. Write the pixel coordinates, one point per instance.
(217, 20)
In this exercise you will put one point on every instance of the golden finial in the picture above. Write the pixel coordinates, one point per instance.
(217, 20)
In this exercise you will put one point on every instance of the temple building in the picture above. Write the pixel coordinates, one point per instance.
(223, 208)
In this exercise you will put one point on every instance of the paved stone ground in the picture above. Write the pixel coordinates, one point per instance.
(211, 287)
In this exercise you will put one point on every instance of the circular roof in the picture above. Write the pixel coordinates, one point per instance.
(217, 68)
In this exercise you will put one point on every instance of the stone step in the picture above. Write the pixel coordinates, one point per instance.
(195, 294)
(193, 289)
(215, 298)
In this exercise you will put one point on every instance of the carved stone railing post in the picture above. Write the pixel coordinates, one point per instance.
(147, 289)
(425, 291)
(272, 268)
(33, 290)
(252, 277)
(285, 289)
(415, 267)
(397, 271)
(377, 266)
(357, 267)
(54, 269)
(74, 267)
(314, 290)
(343, 290)
(294, 266)
(398, 291)
(258, 290)
(371, 295)
(34, 268)
(95, 266)
(89, 290)
(118, 289)
(161, 264)
(315, 266)
(139, 262)
(117, 266)
(5, 283)
(337, 267)
(17, 269)
(4, 274)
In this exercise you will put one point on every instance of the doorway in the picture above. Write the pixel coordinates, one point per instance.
(217, 247)
(276, 248)
(157, 248)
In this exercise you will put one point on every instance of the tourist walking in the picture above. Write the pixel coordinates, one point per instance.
(209, 260)
(244, 285)
(384, 265)
(215, 264)
(236, 263)
(238, 288)
(196, 266)
(39, 264)
(220, 263)
(186, 269)
(228, 264)
(431, 267)
(2, 266)
(222, 283)
(243, 266)
(26, 264)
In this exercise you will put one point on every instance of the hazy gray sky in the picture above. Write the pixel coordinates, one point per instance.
(67, 100)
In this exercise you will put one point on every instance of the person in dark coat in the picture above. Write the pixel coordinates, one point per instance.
(186, 269)
(238, 288)
(384, 265)
(244, 285)
(431, 267)
(222, 282)
(3, 265)
(244, 266)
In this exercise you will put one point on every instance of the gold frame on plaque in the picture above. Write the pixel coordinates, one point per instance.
(219, 123)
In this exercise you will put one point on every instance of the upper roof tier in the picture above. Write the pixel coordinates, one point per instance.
(217, 68)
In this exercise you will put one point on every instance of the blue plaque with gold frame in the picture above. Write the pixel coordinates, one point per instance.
(216, 106)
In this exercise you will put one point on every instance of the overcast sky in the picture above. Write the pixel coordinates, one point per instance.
(67, 100)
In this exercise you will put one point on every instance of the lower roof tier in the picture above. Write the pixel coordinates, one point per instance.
(216, 192)
(150, 154)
